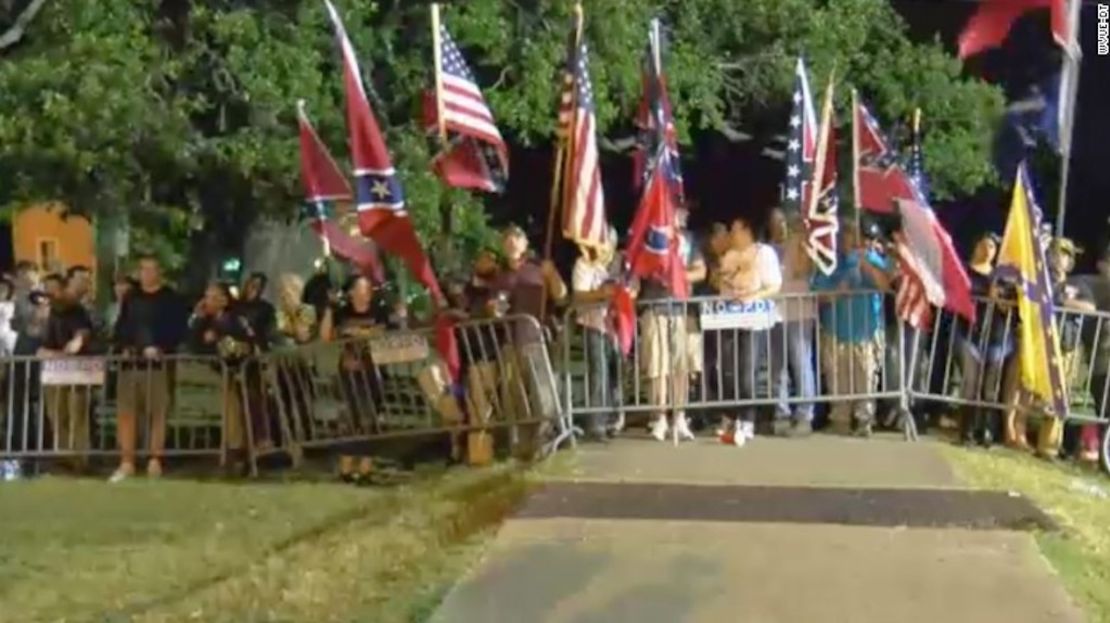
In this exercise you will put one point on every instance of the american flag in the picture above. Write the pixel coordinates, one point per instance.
(583, 202)
(820, 212)
(475, 155)
(802, 145)
(655, 120)
(910, 302)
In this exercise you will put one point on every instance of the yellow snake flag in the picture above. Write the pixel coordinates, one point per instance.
(1021, 258)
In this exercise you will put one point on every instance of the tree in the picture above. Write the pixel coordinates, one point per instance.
(181, 113)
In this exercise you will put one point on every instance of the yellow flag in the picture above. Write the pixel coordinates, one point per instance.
(1021, 258)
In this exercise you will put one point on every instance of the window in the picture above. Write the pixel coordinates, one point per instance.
(48, 254)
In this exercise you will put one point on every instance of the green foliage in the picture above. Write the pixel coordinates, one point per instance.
(189, 107)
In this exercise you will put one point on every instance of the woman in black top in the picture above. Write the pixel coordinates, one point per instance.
(352, 324)
(216, 329)
(984, 346)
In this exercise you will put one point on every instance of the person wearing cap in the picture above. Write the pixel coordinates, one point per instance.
(852, 330)
(1069, 295)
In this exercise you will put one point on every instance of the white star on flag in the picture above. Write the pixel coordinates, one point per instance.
(793, 171)
(794, 145)
(795, 121)
(792, 194)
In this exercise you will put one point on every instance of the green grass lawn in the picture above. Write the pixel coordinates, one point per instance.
(82, 550)
(1080, 552)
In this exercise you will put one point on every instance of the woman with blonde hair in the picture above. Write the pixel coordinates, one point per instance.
(296, 320)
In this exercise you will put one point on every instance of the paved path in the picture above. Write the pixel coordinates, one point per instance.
(802, 556)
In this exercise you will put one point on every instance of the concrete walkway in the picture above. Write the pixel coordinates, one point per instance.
(578, 569)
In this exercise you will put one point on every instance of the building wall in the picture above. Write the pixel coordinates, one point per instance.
(43, 235)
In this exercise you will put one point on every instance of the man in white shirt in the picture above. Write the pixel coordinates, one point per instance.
(593, 284)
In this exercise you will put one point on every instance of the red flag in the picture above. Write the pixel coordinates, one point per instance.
(323, 184)
(623, 311)
(378, 193)
(653, 251)
(991, 23)
(880, 179)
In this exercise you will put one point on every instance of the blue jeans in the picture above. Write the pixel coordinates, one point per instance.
(599, 353)
(792, 358)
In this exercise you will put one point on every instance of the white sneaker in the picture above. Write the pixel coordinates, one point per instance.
(122, 473)
(747, 429)
(10, 470)
(659, 429)
(682, 428)
(738, 436)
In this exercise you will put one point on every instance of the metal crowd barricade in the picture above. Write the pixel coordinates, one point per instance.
(395, 384)
(68, 406)
(978, 367)
(737, 356)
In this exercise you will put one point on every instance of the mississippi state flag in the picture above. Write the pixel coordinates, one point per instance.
(653, 251)
(991, 24)
(880, 178)
(378, 195)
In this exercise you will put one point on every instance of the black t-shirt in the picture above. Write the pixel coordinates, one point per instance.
(995, 321)
(1071, 324)
(159, 319)
(65, 322)
(234, 337)
(261, 316)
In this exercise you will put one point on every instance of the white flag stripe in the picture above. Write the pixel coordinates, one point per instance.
(920, 229)
(470, 125)
(466, 107)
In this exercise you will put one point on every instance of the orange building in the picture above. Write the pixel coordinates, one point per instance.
(45, 235)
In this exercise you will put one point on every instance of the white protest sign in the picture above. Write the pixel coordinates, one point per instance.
(83, 371)
(753, 316)
(403, 348)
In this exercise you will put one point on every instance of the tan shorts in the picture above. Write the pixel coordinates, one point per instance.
(695, 347)
(663, 338)
(144, 392)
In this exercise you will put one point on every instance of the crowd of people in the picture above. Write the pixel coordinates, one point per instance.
(834, 327)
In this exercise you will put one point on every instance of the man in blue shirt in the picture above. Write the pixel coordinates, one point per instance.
(852, 330)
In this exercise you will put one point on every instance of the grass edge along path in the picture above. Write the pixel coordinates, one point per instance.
(1080, 551)
(393, 564)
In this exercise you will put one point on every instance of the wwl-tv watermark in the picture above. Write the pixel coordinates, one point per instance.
(1103, 29)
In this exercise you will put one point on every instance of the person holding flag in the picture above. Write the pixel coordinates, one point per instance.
(661, 259)
(1022, 260)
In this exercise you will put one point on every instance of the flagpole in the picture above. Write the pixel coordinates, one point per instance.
(1070, 92)
(437, 54)
(855, 156)
(564, 147)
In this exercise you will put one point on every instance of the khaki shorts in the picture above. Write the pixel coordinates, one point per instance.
(144, 392)
(663, 338)
(695, 347)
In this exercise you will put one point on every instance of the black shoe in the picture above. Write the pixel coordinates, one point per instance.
(799, 429)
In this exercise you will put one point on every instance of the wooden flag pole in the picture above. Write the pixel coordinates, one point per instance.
(437, 54)
(561, 151)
